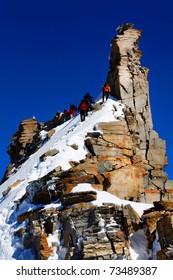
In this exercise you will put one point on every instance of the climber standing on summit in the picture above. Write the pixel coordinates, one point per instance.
(83, 107)
(106, 90)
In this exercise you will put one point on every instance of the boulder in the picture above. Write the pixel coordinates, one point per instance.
(73, 198)
(49, 153)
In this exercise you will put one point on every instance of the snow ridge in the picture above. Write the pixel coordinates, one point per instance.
(71, 132)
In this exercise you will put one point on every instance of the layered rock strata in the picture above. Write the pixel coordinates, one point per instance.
(22, 139)
(83, 231)
(159, 227)
(128, 81)
(23, 143)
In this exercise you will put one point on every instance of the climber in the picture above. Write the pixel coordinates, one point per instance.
(105, 91)
(72, 110)
(89, 101)
(88, 98)
(66, 115)
(83, 107)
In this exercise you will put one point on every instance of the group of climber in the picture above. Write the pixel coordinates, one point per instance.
(86, 104)
(84, 107)
(68, 114)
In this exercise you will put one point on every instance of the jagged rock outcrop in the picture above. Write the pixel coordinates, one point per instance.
(28, 140)
(85, 231)
(23, 143)
(128, 80)
(58, 119)
(23, 139)
(159, 222)
(113, 165)
(114, 151)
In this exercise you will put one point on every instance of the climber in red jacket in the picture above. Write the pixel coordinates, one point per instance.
(72, 110)
(83, 107)
(67, 115)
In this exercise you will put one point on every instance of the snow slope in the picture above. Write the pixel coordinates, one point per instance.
(73, 131)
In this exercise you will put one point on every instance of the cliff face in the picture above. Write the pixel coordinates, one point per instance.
(128, 80)
(125, 157)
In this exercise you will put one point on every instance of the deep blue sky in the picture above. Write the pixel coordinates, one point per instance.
(54, 51)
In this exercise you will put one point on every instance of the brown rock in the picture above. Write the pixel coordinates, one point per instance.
(164, 254)
(73, 198)
(116, 133)
(163, 205)
(165, 230)
(98, 250)
(22, 138)
(45, 250)
(11, 186)
(49, 153)
(127, 182)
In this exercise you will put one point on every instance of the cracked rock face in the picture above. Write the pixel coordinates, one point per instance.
(23, 143)
(128, 81)
(22, 138)
(84, 231)
(159, 221)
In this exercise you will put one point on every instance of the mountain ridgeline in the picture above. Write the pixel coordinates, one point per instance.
(125, 158)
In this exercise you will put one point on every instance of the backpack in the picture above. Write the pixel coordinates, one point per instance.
(83, 106)
(107, 88)
(73, 107)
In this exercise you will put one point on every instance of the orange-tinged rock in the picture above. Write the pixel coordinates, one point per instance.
(126, 183)
(45, 250)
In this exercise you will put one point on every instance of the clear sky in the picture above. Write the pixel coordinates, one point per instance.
(54, 51)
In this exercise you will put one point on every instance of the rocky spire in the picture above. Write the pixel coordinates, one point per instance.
(128, 81)
(22, 138)
(128, 78)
